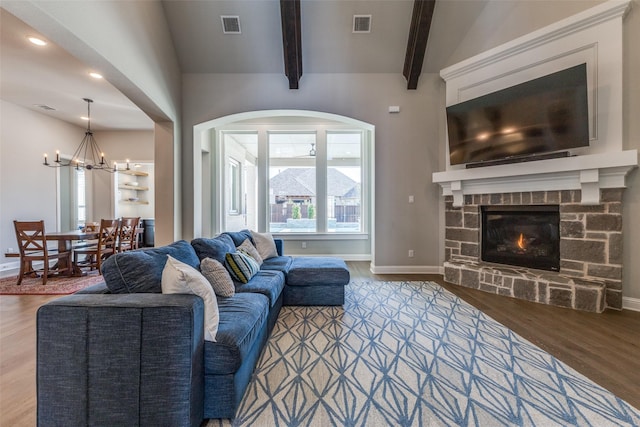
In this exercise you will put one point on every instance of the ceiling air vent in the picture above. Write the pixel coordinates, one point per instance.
(361, 23)
(230, 24)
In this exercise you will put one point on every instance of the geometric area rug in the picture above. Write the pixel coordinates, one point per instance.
(58, 285)
(414, 354)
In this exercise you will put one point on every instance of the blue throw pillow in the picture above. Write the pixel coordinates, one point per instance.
(215, 248)
(239, 236)
(141, 270)
(241, 266)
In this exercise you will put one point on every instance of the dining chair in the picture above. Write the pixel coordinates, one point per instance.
(32, 242)
(91, 226)
(128, 235)
(105, 247)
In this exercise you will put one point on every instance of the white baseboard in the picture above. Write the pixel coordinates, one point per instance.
(629, 303)
(9, 269)
(406, 269)
(353, 257)
(347, 257)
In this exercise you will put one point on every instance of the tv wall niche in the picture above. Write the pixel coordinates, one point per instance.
(593, 37)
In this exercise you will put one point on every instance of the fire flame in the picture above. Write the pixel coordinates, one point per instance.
(521, 242)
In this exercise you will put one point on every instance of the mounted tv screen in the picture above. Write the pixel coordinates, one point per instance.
(545, 115)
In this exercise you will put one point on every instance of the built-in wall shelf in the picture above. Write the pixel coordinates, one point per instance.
(588, 173)
(134, 173)
(134, 190)
(133, 187)
(136, 202)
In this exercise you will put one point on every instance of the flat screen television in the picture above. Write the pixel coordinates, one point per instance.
(545, 115)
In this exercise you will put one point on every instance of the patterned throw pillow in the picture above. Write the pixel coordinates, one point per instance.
(264, 244)
(248, 248)
(218, 277)
(242, 267)
(181, 278)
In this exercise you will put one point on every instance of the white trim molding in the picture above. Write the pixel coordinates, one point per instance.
(629, 303)
(589, 18)
(8, 269)
(588, 173)
(406, 269)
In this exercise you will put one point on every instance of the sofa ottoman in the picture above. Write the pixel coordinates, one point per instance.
(316, 281)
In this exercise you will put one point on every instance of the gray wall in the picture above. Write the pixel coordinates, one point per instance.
(406, 144)
(28, 190)
(631, 135)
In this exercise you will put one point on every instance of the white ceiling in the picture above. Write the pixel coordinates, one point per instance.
(31, 75)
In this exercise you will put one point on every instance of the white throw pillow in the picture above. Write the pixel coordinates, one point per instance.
(218, 277)
(264, 244)
(248, 248)
(181, 278)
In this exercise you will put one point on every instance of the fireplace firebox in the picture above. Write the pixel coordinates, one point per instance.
(524, 236)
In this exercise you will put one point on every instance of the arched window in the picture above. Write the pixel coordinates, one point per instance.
(300, 175)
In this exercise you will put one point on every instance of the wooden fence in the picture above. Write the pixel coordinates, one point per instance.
(342, 213)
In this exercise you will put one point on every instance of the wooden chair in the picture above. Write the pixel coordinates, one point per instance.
(128, 236)
(105, 247)
(88, 226)
(91, 226)
(32, 242)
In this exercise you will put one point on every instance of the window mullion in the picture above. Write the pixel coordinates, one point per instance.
(321, 181)
(263, 180)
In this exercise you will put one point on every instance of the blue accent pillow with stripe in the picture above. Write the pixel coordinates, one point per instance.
(241, 266)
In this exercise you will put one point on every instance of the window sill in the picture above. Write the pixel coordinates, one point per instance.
(321, 236)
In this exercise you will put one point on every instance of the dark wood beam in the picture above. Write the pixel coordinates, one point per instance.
(291, 40)
(417, 44)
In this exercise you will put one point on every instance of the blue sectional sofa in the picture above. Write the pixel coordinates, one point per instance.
(122, 353)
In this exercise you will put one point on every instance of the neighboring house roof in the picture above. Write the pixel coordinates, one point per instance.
(302, 182)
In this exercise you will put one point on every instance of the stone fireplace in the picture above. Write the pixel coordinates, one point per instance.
(590, 276)
(586, 187)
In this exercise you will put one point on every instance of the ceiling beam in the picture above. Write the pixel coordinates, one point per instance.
(417, 44)
(291, 41)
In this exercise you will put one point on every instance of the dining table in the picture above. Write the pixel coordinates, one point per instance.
(65, 243)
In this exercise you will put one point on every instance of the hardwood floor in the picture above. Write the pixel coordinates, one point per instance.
(18, 358)
(603, 347)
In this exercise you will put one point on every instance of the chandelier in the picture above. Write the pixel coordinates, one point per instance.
(88, 154)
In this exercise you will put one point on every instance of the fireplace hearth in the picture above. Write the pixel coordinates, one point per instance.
(523, 236)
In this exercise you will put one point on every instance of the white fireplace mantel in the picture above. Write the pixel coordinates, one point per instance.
(588, 173)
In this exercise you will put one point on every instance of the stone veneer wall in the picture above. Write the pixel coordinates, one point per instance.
(590, 276)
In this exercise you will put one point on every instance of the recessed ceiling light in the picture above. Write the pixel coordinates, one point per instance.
(37, 41)
(84, 118)
(95, 75)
